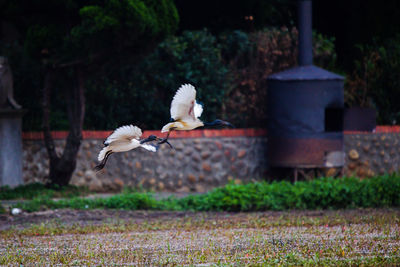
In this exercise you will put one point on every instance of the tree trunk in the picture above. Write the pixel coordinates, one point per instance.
(62, 167)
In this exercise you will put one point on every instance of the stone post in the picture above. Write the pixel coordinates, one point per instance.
(10, 130)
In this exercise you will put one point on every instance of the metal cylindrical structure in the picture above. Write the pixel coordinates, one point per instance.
(305, 32)
(305, 107)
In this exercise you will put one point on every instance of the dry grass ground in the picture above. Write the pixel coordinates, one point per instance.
(105, 237)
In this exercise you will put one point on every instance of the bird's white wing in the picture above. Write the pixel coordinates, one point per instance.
(149, 147)
(198, 109)
(124, 133)
(182, 105)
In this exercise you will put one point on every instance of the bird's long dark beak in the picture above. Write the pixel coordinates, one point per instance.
(228, 124)
(148, 139)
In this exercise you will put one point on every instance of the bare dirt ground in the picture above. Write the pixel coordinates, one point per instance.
(106, 237)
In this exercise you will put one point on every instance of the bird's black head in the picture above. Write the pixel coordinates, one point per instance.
(150, 138)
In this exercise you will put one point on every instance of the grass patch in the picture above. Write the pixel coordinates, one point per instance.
(204, 220)
(296, 238)
(323, 193)
(33, 190)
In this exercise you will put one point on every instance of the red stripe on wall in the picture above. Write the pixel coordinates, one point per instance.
(379, 129)
(251, 132)
(174, 134)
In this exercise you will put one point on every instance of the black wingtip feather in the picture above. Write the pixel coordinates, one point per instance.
(99, 167)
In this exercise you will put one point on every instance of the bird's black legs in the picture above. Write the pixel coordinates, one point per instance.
(165, 140)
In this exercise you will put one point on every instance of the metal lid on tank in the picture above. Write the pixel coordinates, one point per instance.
(305, 73)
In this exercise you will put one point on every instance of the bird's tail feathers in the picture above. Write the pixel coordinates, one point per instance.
(102, 154)
(103, 157)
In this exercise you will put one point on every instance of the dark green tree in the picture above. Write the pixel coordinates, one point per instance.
(70, 41)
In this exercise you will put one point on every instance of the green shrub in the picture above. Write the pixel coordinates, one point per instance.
(323, 193)
(129, 202)
(132, 201)
(33, 190)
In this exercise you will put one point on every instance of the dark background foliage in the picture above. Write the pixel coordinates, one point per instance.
(243, 43)
(229, 71)
(350, 22)
(375, 80)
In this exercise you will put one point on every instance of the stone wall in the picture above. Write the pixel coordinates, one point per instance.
(195, 164)
(201, 159)
(370, 154)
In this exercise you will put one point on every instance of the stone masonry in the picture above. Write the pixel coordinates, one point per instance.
(195, 164)
(368, 155)
(202, 161)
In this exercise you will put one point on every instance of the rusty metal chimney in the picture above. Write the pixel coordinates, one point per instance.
(305, 32)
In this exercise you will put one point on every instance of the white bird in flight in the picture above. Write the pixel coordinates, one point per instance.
(123, 139)
(185, 112)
